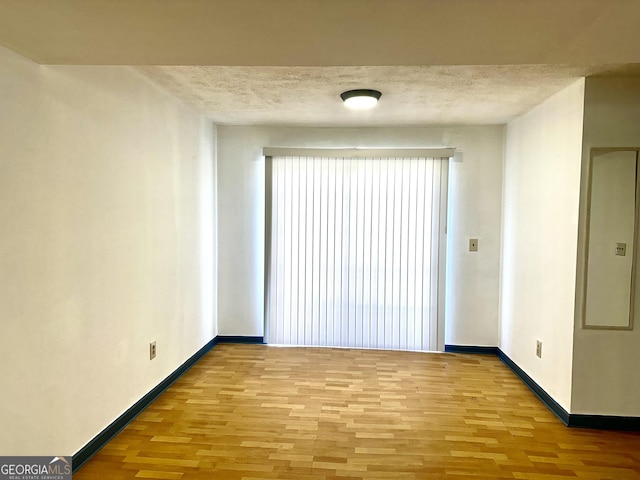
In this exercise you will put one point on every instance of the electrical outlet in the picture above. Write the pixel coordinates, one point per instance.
(538, 349)
(152, 350)
(473, 244)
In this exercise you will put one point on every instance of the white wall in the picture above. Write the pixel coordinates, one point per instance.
(106, 243)
(605, 376)
(474, 211)
(539, 239)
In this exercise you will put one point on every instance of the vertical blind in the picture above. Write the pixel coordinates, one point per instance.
(355, 251)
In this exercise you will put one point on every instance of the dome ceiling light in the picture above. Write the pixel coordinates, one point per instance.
(361, 99)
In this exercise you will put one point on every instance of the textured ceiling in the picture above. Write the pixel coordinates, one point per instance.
(309, 96)
(286, 61)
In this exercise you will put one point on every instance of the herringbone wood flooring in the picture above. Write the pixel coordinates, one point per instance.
(253, 412)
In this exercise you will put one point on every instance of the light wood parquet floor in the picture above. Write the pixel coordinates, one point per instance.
(252, 412)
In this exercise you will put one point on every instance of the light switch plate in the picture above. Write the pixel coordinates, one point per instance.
(473, 244)
(621, 249)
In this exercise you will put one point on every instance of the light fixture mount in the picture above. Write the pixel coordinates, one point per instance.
(361, 98)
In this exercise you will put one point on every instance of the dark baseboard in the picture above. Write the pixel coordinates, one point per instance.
(576, 420)
(538, 391)
(604, 422)
(551, 404)
(239, 339)
(471, 349)
(100, 440)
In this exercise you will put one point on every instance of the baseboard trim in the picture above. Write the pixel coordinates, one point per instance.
(574, 420)
(601, 422)
(90, 449)
(604, 422)
(538, 391)
(239, 339)
(100, 440)
(471, 349)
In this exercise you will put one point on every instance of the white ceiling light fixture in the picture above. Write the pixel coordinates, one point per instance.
(361, 99)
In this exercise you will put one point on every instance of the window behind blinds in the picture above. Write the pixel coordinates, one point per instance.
(355, 251)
